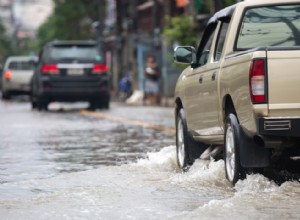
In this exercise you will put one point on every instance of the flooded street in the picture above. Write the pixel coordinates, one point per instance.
(69, 163)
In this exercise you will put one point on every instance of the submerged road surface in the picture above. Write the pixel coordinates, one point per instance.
(69, 163)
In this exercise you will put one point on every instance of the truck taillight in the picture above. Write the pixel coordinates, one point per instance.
(257, 78)
(50, 69)
(99, 68)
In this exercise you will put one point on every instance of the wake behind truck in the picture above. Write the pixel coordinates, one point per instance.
(240, 93)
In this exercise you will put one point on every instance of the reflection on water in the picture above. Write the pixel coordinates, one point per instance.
(100, 146)
(49, 143)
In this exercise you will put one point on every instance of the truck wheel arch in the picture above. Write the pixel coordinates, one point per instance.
(178, 106)
(228, 107)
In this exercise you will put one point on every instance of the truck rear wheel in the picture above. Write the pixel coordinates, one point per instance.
(187, 149)
(233, 169)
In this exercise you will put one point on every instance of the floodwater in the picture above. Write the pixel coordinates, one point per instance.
(63, 165)
(150, 188)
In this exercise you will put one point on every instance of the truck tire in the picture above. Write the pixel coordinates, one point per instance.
(233, 169)
(187, 149)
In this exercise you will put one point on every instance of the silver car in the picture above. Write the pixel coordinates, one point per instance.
(16, 75)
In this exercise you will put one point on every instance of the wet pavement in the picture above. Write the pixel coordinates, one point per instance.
(65, 140)
(68, 163)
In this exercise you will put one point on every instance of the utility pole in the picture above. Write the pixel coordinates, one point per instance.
(134, 37)
(156, 24)
(119, 43)
(101, 14)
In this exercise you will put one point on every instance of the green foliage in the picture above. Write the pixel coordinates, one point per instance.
(71, 20)
(5, 44)
(26, 47)
(207, 5)
(229, 2)
(180, 30)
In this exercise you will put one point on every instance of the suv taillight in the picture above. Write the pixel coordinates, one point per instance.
(50, 69)
(257, 78)
(99, 68)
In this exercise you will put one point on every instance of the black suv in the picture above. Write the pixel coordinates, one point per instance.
(70, 71)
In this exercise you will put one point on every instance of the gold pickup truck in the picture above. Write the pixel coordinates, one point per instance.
(240, 93)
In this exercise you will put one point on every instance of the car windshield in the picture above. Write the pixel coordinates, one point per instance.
(75, 52)
(270, 26)
(21, 65)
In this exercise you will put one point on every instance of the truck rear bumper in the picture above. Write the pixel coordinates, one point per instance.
(279, 126)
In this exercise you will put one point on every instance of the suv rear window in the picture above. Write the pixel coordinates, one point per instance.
(270, 26)
(21, 65)
(75, 52)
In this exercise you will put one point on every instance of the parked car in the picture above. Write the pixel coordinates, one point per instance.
(16, 75)
(70, 71)
(240, 90)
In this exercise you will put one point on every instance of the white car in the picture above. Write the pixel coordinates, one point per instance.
(16, 75)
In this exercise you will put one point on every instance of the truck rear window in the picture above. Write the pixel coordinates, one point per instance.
(270, 26)
(75, 52)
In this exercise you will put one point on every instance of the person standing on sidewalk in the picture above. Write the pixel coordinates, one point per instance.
(152, 74)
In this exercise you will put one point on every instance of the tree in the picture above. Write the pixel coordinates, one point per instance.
(180, 30)
(229, 2)
(71, 20)
(5, 44)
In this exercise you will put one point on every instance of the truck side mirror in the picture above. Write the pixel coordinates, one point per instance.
(185, 54)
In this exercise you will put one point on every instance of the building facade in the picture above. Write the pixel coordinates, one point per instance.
(133, 30)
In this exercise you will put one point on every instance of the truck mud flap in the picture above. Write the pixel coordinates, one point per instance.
(251, 153)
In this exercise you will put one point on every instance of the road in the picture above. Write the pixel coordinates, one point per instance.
(69, 163)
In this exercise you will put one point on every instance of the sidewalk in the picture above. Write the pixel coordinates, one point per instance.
(137, 99)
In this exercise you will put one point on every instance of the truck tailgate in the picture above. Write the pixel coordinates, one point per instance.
(284, 83)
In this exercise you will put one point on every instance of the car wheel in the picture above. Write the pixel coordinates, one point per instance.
(46, 104)
(105, 104)
(39, 105)
(33, 102)
(187, 149)
(233, 169)
(42, 105)
(92, 106)
(33, 105)
(5, 95)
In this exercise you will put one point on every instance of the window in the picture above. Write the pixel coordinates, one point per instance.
(205, 45)
(21, 65)
(270, 26)
(220, 41)
(75, 52)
